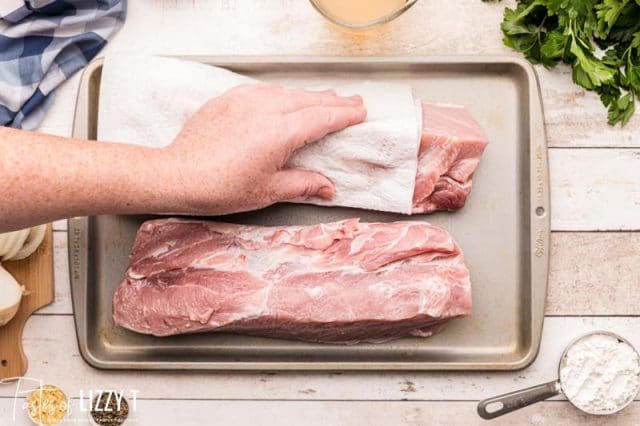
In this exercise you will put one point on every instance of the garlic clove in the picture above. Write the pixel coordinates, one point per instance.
(14, 243)
(33, 241)
(6, 241)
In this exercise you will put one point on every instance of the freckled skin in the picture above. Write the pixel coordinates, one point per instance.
(228, 158)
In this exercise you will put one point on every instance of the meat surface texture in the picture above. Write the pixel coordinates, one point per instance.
(451, 145)
(343, 282)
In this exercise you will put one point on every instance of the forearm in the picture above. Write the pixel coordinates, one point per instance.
(230, 156)
(46, 178)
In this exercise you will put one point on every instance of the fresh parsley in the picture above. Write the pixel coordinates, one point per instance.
(600, 39)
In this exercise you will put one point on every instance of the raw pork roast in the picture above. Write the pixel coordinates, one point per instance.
(451, 145)
(343, 282)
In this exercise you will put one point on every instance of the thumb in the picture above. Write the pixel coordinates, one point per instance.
(293, 183)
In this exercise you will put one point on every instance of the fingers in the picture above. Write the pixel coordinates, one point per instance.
(289, 100)
(293, 183)
(297, 99)
(313, 123)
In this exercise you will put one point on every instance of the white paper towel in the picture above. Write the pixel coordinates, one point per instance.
(146, 100)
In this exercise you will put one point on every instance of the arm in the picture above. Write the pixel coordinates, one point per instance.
(229, 157)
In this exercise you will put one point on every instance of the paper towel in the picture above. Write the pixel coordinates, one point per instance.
(146, 100)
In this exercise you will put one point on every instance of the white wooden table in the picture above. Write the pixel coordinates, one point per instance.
(595, 268)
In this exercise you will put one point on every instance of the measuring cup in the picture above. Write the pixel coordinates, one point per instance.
(523, 398)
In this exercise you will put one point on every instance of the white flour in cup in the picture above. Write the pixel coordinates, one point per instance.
(600, 374)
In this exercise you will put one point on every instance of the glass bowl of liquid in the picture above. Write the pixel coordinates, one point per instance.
(360, 14)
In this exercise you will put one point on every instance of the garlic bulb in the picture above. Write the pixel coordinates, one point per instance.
(31, 244)
(11, 243)
(10, 296)
(20, 244)
(15, 245)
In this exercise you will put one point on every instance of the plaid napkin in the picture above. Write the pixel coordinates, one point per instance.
(42, 43)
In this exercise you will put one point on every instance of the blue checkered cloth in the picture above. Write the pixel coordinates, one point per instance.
(42, 43)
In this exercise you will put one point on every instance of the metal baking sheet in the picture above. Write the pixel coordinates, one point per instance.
(503, 230)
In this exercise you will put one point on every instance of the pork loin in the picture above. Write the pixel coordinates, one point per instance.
(342, 282)
(451, 145)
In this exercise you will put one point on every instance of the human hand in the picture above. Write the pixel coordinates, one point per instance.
(230, 156)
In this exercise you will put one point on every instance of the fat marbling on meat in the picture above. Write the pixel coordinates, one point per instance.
(342, 282)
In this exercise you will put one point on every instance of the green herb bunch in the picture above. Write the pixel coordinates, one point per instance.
(600, 39)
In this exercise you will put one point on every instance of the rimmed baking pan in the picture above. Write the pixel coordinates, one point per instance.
(503, 229)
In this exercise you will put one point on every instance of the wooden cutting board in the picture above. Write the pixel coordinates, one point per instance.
(36, 274)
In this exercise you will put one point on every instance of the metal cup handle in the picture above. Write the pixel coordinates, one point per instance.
(515, 400)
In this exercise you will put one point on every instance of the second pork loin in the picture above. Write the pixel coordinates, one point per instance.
(342, 282)
(451, 145)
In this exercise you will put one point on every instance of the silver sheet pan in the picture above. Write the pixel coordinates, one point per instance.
(504, 231)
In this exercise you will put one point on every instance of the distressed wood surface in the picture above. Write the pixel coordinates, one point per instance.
(594, 273)
(591, 273)
(595, 189)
